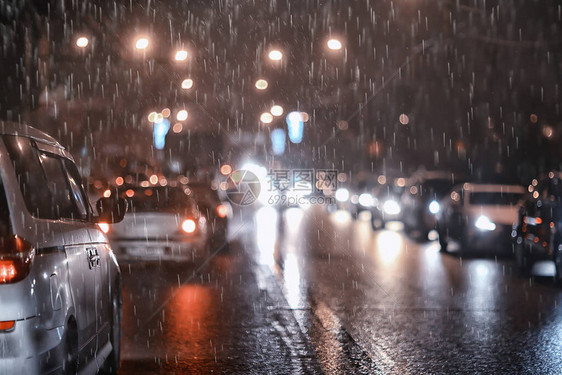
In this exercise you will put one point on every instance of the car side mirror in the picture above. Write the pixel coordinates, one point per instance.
(111, 210)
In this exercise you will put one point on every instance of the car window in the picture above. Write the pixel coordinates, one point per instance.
(59, 187)
(204, 195)
(31, 179)
(159, 199)
(78, 193)
(5, 225)
(494, 198)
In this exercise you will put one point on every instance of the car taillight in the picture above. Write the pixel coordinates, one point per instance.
(7, 325)
(15, 259)
(188, 226)
(222, 210)
(104, 227)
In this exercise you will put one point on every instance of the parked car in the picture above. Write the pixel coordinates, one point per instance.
(163, 223)
(479, 215)
(60, 285)
(538, 231)
(421, 197)
(215, 211)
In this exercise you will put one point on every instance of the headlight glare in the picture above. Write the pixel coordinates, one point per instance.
(391, 207)
(434, 207)
(484, 223)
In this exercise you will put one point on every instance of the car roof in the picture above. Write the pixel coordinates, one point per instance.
(491, 188)
(23, 130)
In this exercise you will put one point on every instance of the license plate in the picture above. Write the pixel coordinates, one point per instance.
(152, 251)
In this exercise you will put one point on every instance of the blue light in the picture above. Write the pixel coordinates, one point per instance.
(160, 130)
(278, 141)
(295, 124)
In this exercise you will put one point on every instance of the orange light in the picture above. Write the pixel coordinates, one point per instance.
(119, 181)
(104, 227)
(107, 193)
(130, 193)
(188, 226)
(222, 210)
(7, 271)
(226, 169)
(538, 220)
(148, 192)
(7, 325)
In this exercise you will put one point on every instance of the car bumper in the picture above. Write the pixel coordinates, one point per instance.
(156, 250)
(498, 238)
(30, 349)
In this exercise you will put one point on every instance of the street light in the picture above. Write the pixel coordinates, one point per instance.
(261, 84)
(276, 110)
(182, 115)
(141, 43)
(266, 118)
(82, 42)
(275, 55)
(186, 84)
(181, 55)
(334, 44)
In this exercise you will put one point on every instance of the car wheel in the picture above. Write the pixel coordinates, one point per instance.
(464, 242)
(521, 259)
(70, 354)
(442, 240)
(111, 364)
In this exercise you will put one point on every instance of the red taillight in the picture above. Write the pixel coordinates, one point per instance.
(7, 325)
(222, 210)
(188, 226)
(15, 259)
(7, 271)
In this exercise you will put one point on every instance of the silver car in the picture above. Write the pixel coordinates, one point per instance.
(163, 224)
(60, 297)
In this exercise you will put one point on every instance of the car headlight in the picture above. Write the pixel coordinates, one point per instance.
(342, 195)
(484, 223)
(366, 200)
(434, 207)
(391, 207)
(188, 226)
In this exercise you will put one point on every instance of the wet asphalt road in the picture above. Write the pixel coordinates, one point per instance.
(321, 293)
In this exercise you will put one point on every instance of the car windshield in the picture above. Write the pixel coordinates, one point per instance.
(5, 224)
(494, 198)
(159, 199)
(203, 194)
(435, 188)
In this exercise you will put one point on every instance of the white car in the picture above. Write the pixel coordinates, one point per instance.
(163, 224)
(478, 215)
(60, 293)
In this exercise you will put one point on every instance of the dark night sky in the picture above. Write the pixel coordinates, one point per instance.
(469, 75)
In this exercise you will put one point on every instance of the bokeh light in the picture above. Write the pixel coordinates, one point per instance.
(187, 83)
(181, 55)
(182, 115)
(276, 110)
(275, 55)
(141, 43)
(82, 42)
(266, 118)
(261, 84)
(334, 44)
